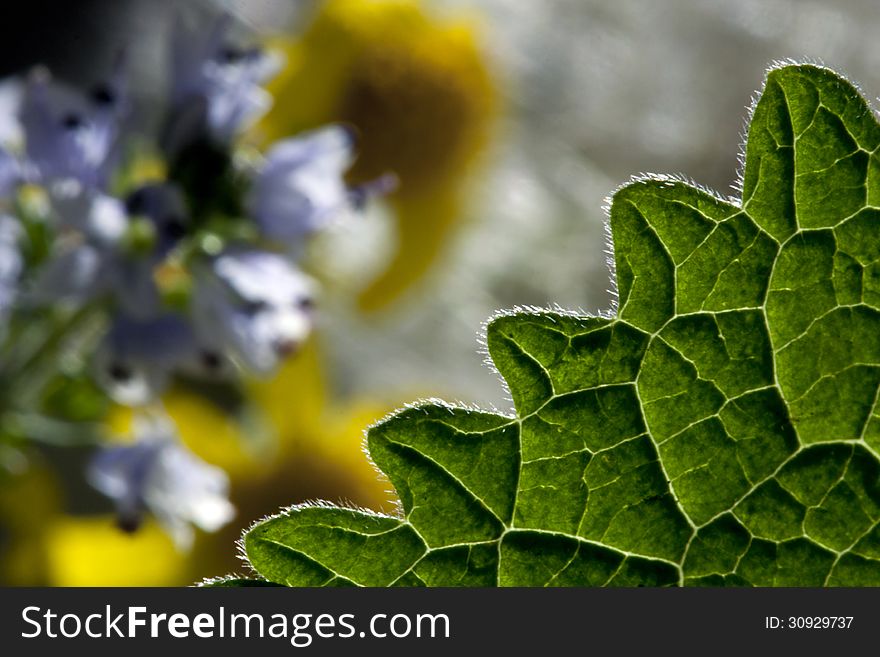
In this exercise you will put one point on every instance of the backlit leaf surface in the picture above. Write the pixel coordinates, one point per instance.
(721, 429)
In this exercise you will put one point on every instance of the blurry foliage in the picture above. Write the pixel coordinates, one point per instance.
(317, 454)
(419, 94)
(26, 501)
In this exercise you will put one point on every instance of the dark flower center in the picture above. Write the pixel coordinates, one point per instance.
(72, 121)
(211, 360)
(252, 307)
(174, 227)
(129, 522)
(119, 372)
(104, 94)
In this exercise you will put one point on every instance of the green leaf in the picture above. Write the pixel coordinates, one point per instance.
(234, 582)
(721, 429)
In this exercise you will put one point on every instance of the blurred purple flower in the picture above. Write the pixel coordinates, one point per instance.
(255, 305)
(92, 259)
(215, 88)
(69, 134)
(10, 172)
(156, 262)
(300, 187)
(137, 357)
(97, 260)
(101, 219)
(158, 474)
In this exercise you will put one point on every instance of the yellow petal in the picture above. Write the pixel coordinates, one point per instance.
(93, 552)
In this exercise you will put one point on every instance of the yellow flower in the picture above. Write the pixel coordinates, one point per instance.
(92, 551)
(421, 98)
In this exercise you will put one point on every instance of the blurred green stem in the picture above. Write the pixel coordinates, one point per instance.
(26, 376)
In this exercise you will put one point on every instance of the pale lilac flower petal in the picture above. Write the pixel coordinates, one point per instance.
(91, 260)
(185, 490)
(215, 88)
(67, 134)
(102, 219)
(158, 474)
(138, 356)
(301, 187)
(256, 305)
(121, 473)
(235, 98)
(11, 173)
